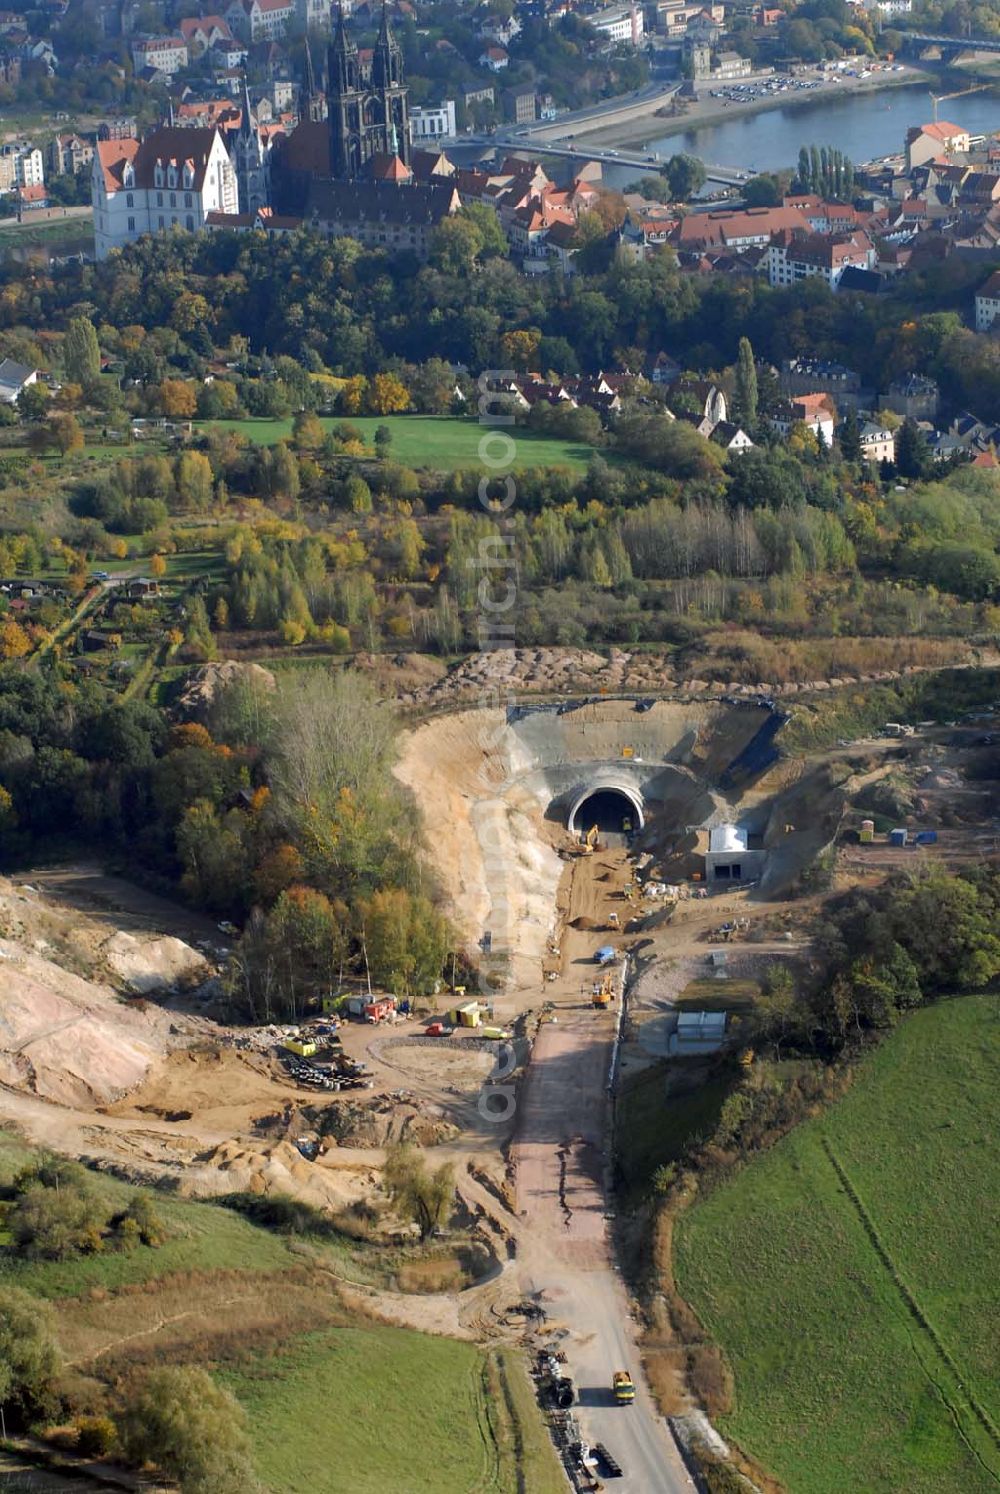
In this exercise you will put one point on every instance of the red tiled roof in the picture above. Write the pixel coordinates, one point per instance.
(113, 155)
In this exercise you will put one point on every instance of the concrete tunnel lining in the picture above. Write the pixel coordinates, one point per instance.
(607, 786)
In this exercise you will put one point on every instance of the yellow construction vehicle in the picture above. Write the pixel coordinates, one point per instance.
(589, 843)
(602, 994)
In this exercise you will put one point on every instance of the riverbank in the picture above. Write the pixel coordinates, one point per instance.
(650, 127)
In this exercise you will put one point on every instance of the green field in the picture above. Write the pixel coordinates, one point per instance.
(334, 1399)
(655, 1127)
(398, 1410)
(441, 443)
(850, 1274)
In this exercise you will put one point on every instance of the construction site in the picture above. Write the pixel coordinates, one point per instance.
(607, 859)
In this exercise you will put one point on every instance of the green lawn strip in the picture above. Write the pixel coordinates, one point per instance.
(837, 1384)
(439, 442)
(654, 1127)
(388, 1407)
(533, 1449)
(710, 994)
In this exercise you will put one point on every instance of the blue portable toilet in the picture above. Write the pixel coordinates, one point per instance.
(925, 838)
(897, 837)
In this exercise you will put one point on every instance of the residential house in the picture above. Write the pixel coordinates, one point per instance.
(924, 142)
(664, 369)
(561, 245)
(988, 302)
(165, 54)
(816, 412)
(500, 30)
(480, 94)
(69, 154)
(821, 376)
(737, 228)
(700, 395)
(730, 437)
(200, 33)
(14, 377)
(260, 20)
(793, 257)
(877, 443)
(30, 199)
(494, 58)
(173, 179)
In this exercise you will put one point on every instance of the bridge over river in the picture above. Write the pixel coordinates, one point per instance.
(727, 176)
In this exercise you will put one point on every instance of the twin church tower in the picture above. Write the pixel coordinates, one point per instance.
(367, 111)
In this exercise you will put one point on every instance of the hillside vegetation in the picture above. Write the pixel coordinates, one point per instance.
(847, 1274)
(262, 1312)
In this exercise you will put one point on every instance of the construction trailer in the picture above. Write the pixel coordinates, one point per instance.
(698, 1032)
(468, 1015)
(370, 1008)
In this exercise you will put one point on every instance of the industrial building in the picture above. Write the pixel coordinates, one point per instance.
(729, 857)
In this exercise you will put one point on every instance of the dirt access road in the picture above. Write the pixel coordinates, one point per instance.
(564, 1253)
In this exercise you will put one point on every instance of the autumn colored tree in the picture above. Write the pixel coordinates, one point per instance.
(193, 476)
(351, 399)
(520, 349)
(388, 395)
(307, 431)
(279, 870)
(177, 399)
(157, 565)
(14, 641)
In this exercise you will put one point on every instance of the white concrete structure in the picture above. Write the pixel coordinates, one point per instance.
(619, 25)
(173, 179)
(728, 858)
(429, 123)
(29, 168)
(988, 303)
(167, 54)
(260, 20)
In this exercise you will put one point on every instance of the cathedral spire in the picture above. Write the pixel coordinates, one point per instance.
(310, 77)
(246, 122)
(343, 42)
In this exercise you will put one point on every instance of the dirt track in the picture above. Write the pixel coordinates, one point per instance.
(565, 1254)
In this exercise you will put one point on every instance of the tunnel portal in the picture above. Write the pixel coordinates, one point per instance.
(614, 809)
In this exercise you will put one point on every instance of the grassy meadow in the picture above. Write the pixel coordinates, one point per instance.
(849, 1274)
(334, 1398)
(441, 443)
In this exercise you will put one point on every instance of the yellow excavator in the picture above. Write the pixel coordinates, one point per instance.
(603, 994)
(588, 844)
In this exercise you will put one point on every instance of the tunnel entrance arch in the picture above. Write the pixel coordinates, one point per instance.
(612, 807)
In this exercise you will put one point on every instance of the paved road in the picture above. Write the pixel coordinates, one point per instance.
(565, 1252)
